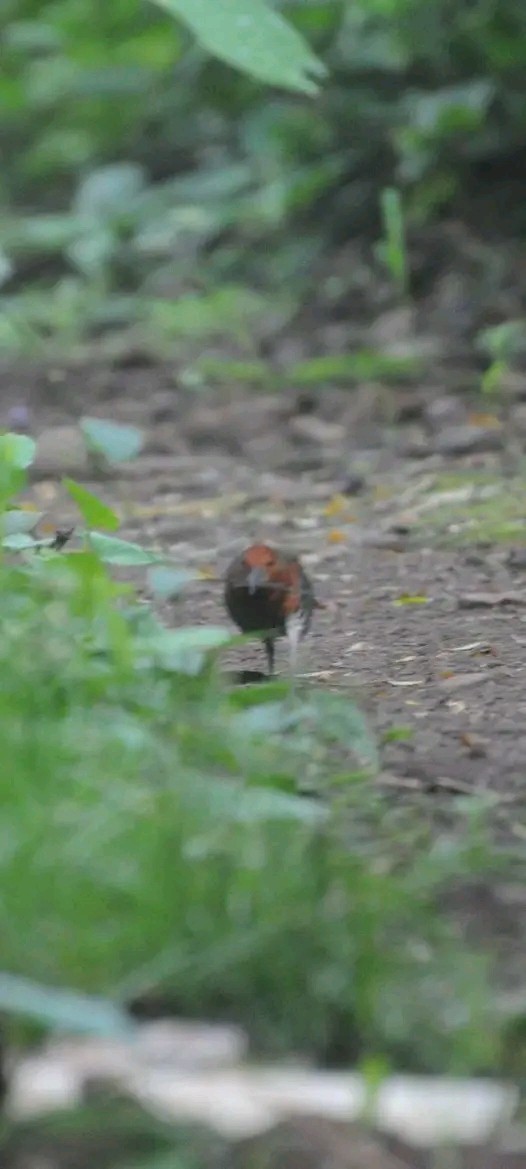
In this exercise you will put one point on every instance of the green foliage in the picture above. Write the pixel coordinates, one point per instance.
(502, 344)
(251, 36)
(392, 248)
(168, 582)
(116, 443)
(62, 1010)
(142, 176)
(93, 511)
(354, 367)
(112, 550)
(226, 849)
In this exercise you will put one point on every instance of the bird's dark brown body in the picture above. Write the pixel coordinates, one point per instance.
(267, 591)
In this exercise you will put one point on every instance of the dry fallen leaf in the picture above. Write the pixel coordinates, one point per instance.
(336, 505)
(461, 681)
(335, 536)
(382, 493)
(475, 745)
(457, 649)
(487, 421)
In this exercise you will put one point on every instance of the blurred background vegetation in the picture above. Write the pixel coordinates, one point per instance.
(148, 185)
(261, 200)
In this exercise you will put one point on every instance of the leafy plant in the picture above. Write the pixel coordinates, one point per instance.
(224, 849)
(503, 344)
(392, 248)
(112, 221)
(252, 37)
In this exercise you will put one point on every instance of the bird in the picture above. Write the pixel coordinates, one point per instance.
(268, 592)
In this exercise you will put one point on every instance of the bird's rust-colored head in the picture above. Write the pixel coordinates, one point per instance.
(278, 574)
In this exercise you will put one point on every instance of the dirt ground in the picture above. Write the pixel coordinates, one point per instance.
(425, 623)
(414, 540)
(403, 508)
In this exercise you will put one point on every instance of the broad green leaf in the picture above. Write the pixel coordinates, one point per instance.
(18, 450)
(44, 233)
(91, 252)
(18, 541)
(503, 342)
(447, 110)
(269, 717)
(109, 190)
(18, 520)
(168, 582)
(253, 38)
(254, 805)
(93, 510)
(184, 650)
(62, 1009)
(114, 551)
(200, 636)
(117, 443)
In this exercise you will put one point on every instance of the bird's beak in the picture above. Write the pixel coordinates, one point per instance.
(256, 579)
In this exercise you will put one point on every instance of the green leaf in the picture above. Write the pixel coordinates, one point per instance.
(503, 342)
(185, 650)
(117, 443)
(255, 805)
(62, 1009)
(392, 249)
(168, 582)
(492, 378)
(255, 373)
(253, 38)
(18, 450)
(18, 520)
(411, 599)
(109, 190)
(114, 551)
(18, 541)
(398, 735)
(269, 717)
(91, 252)
(351, 367)
(93, 510)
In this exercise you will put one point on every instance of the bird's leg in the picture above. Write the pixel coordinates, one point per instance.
(269, 648)
(294, 627)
